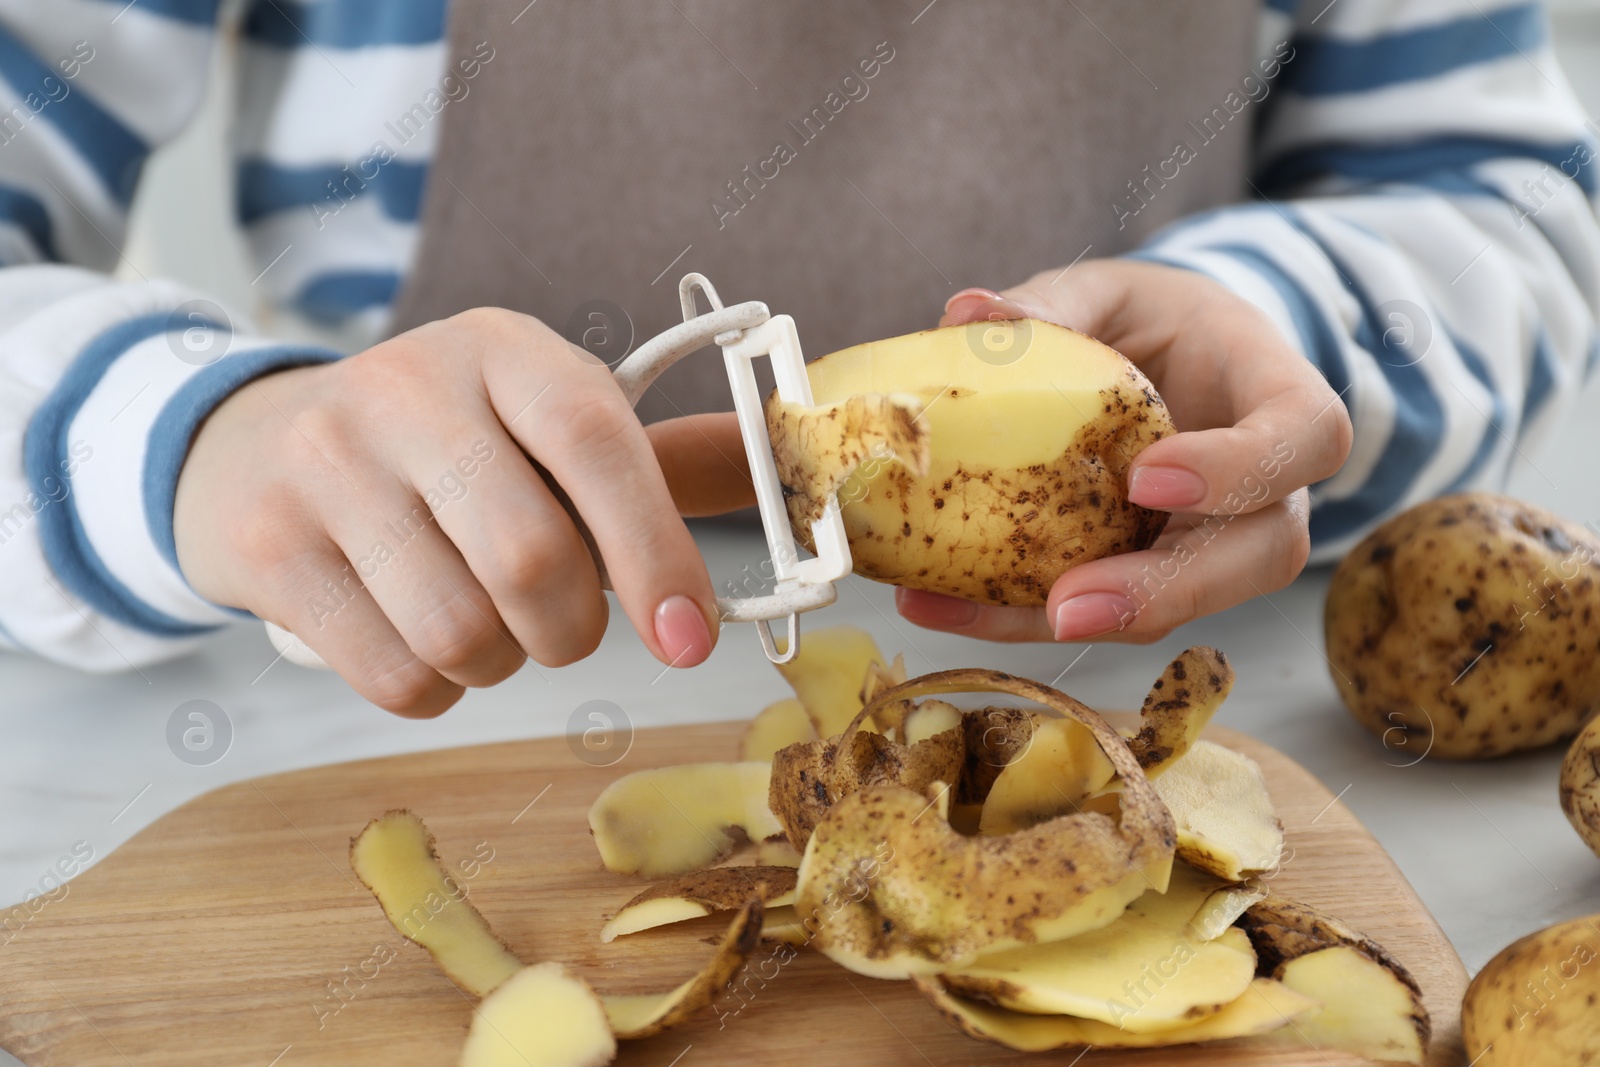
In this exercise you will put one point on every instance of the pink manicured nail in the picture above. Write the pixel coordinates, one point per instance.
(934, 609)
(681, 629)
(969, 297)
(1092, 614)
(1166, 487)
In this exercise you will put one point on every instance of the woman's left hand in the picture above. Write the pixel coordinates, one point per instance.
(1257, 424)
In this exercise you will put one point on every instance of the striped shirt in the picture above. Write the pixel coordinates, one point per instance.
(1423, 227)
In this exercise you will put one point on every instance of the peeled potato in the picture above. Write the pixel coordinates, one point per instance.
(1466, 627)
(1029, 431)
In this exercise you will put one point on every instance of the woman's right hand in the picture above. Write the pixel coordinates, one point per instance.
(402, 512)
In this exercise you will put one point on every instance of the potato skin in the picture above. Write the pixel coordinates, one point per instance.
(1537, 1004)
(1580, 785)
(1467, 627)
(1003, 536)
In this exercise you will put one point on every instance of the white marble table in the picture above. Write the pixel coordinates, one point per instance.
(86, 759)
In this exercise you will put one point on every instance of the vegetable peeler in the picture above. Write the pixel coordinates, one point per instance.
(745, 332)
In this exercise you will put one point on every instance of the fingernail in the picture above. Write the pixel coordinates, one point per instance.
(970, 296)
(934, 609)
(682, 632)
(1166, 487)
(1092, 614)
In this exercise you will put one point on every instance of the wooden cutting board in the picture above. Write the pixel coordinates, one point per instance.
(215, 935)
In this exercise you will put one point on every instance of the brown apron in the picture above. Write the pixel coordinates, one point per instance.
(851, 163)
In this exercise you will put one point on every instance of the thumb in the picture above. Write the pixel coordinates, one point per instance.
(703, 460)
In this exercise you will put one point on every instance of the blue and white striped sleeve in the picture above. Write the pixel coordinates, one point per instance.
(102, 382)
(1426, 232)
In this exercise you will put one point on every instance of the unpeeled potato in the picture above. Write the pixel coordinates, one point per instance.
(1534, 1005)
(1467, 627)
(1580, 785)
(981, 461)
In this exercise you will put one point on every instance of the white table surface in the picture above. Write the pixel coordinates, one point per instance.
(86, 758)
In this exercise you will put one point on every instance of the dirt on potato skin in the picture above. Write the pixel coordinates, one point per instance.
(1468, 627)
(1004, 535)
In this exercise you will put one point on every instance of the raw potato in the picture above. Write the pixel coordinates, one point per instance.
(836, 446)
(1467, 627)
(777, 726)
(698, 894)
(395, 858)
(669, 820)
(1371, 1004)
(1225, 819)
(1534, 1004)
(810, 777)
(1028, 458)
(542, 1016)
(1147, 971)
(901, 892)
(829, 673)
(1580, 785)
(637, 1015)
(1265, 1006)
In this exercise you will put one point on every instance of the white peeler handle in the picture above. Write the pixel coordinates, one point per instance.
(745, 332)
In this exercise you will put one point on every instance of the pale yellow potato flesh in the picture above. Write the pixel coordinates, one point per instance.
(1530, 1005)
(776, 726)
(782, 923)
(833, 448)
(637, 1015)
(650, 914)
(929, 718)
(668, 820)
(828, 673)
(777, 852)
(1225, 819)
(1028, 459)
(1060, 768)
(394, 857)
(1222, 908)
(1265, 1006)
(698, 894)
(542, 1016)
(1148, 970)
(1365, 1008)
